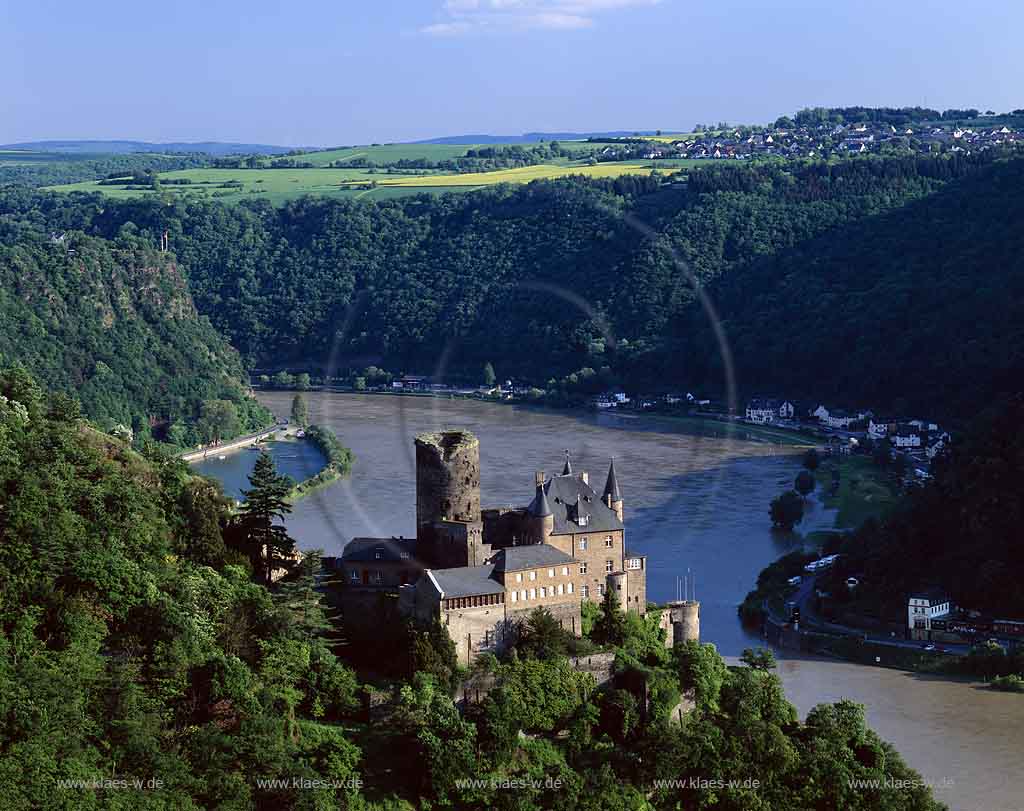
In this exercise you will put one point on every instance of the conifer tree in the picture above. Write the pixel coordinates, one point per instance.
(263, 514)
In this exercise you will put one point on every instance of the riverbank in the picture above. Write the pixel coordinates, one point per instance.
(339, 462)
(731, 427)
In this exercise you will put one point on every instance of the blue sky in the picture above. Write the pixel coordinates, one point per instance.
(325, 72)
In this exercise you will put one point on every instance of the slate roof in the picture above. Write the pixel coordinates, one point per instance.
(577, 507)
(390, 549)
(531, 556)
(467, 581)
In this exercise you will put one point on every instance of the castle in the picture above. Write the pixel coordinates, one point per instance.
(480, 571)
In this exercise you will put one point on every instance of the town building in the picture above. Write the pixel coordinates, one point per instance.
(923, 607)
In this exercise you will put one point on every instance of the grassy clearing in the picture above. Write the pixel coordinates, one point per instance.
(865, 491)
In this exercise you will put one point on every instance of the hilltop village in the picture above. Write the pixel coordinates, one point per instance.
(482, 570)
(788, 139)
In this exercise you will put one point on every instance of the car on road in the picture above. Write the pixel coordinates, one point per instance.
(795, 581)
(928, 647)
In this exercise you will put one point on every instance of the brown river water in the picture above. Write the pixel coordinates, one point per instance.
(696, 499)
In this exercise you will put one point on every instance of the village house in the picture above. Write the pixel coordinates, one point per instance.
(922, 608)
(838, 418)
(763, 412)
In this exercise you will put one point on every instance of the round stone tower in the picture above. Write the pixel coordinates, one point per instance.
(447, 477)
(616, 583)
(685, 617)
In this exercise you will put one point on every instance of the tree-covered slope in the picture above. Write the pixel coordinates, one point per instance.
(112, 323)
(801, 261)
(921, 307)
(131, 649)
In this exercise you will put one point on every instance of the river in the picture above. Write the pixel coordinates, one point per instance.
(695, 499)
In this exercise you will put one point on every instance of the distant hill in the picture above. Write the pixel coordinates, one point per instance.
(126, 147)
(532, 137)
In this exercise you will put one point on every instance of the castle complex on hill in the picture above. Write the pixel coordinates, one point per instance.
(480, 571)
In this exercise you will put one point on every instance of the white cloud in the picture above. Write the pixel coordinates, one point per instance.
(469, 16)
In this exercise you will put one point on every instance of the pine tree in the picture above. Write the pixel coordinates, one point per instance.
(263, 514)
(301, 602)
(610, 628)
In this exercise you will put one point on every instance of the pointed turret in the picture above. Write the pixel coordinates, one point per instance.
(612, 496)
(567, 470)
(539, 507)
(611, 487)
(541, 518)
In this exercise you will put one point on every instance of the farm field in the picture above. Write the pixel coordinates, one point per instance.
(389, 153)
(280, 185)
(522, 175)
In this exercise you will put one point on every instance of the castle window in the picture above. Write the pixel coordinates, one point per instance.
(543, 591)
(633, 563)
(551, 572)
(565, 570)
(561, 589)
(608, 542)
(583, 544)
(609, 566)
(378, 576)
(519, 577)
(585, 591)
(600, 589)
(569, 588)
(488, 639)
(405, 556)
(533, 575)
(515, 596)
(583, 568)
(522, 595)
(353, 575)
(533, 594)
(377, 554)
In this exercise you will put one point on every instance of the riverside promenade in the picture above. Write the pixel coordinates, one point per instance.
(281, 430)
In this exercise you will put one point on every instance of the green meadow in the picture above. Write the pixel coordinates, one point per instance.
(280, 185)
(381, 154)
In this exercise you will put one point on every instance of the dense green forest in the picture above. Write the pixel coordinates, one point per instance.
(920, 308)
(34, 169)
(959, 532)
(135, 645)
(112, 323)
(801, 262)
